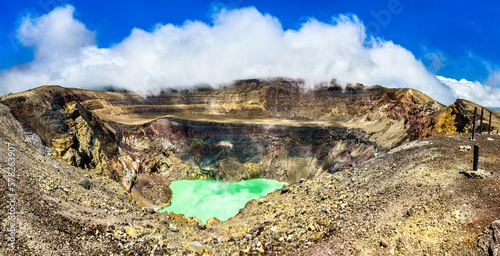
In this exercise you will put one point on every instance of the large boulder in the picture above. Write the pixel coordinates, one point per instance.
(490, 241)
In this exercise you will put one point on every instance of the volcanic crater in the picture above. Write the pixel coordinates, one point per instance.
(371, 170)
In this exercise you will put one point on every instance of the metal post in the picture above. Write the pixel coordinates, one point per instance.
(476, 158)
(481, 123)
(489, 127)
(474, 124)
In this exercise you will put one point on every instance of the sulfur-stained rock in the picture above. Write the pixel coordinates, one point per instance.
(61, 145)
(131, 231)
(212, 221)
(129, 170)
(72, 157)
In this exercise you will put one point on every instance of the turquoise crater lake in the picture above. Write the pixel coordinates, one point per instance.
(205, 199)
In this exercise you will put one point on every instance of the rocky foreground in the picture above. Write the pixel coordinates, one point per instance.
(413, 200)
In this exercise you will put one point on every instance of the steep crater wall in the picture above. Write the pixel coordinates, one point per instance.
(231, 152)
(254, 128)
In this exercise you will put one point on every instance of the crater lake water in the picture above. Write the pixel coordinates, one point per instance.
(205, 199)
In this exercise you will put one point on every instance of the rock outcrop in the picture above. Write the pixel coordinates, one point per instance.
(459, 116)
(77, 136)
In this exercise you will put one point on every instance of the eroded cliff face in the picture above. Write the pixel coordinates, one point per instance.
(254, 128)
(77, 136)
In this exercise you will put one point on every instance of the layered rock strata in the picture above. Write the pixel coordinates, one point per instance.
(253, 128)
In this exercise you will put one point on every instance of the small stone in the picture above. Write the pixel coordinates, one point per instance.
(311, 227)
(223, 238)
(410, 212)
(131, 231)
(196, 247)
(258, 243)
(285, 189)
(86, 184)
(173, 228)
(318, 236)
(384, 243)
(260, 250)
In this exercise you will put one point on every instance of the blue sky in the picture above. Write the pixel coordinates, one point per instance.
(453, 40)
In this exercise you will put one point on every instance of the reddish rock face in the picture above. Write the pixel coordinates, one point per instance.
(254, 128)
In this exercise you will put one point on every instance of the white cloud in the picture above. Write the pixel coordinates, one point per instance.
(474, 91)
(56, 34)
(240, 44)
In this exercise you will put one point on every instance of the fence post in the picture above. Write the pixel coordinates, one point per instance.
(474, 124)
(476, 158)
(481, 123)
(489, 127)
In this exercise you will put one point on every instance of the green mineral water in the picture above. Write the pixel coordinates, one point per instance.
(205, 199)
